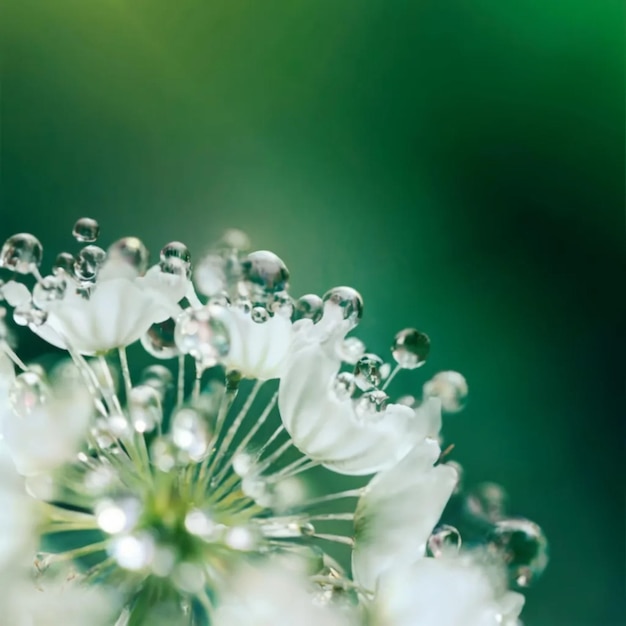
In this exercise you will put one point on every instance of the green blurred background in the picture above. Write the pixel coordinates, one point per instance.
(460, 163)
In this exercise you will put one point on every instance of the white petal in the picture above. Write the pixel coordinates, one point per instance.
(326, 428)
(398, 512)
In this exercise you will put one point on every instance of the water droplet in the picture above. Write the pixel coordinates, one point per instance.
(159, 340)
(385, 370)
(445, 541)
(344, 303)
(86, 230)
(27, 393)
(235, 239)
(175, 258)
(487, 502)
(344, 385)
(524, 548)
(63, 264)
(190, 433)
(202, 334)
(367, 372)
(144, 407)
(281, 303)
(350, 350)
(164, 454)
(159, 377)
(88, 263)
(259, 314)
(410, 348)
(49, 289)
(451, 388)
(209, 275)
(371, 404)
(407, 400)
(200, 524)
(309, 306)
(264, 273)
(26, 314)
(116, 515)
(133, 552)
(131, 251)
(21, 253)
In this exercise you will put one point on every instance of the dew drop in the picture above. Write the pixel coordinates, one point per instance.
(350, 350)
(371, 404)
(164, 454)
(344, 385)
(487, 502)
(63, 264)
(202, 334)
(259, 314)
(88, 262)
(27, 393)
(367, 372)
(445, 541)
(345, 303)
(48, 290)
(132, 251)
(451, 388)
(209, 275)
(144, 407)
(523, 547)
(175, 258)
(159, 340)
(309, 306)
(190, 433)
(86, 230)
(21, 253)
(264, 273)
(410, 348)
(281, 303)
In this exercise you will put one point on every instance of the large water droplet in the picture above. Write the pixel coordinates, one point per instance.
(259, 314)
(175, 258)
(487, 502)
(131, 251)
(371, 404)
(202, 334)
(451, 388)
(86, 230)
(190, 433)
(64, 263)
(344, 385)
(144, 407)
(410, 348)
(209, 275)
(350, 350)
(344, 303)
(264, 273)
(524, 548)
(367, 372)
(159, 340)
(28, 392)
(445, 541)
(48, 290)
(309, 306)
(21, 253)
(88, 262)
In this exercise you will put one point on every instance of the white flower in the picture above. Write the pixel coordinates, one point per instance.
(273, 597)
(7, 376)
(450, 591)
(119, 310)
(326, 427)
(398, 511)
(47, 426)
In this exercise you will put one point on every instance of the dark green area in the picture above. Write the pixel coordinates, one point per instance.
(460, 163)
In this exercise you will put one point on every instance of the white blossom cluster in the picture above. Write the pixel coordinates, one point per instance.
(188, 493)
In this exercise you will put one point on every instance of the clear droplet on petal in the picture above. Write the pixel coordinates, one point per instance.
(202, 334)
(367, 372)
(371, 404)
(309, 306)
(86, 230)
(28, 392)
(88, 262)
(264, 273)
(259, 314)
(21, 253)
(344, 303)
(410, 348)
(49, 289)
(63, 264)
(445, 541)
(159, 340)
(523, 547)
(144, 406)
(487, 502)
(132, 251)
(190, 433)
(451, 388)
(175, 258)
(344, 385)
(350, 350)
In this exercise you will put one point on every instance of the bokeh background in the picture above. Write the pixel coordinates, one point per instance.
(460, 163)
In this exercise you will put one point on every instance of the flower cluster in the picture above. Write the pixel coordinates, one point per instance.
(189, 493)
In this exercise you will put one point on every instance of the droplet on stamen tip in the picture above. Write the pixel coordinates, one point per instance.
(86, 230)
(132, 251)
(21, 253)
(344, 385)
(88, 263)
(344, 303)
(264, 273)
(144, 406)
(410, 348)
(444, 541)
(367, 372)
(310, 306)
(159, 340)
(190, 433)
(350, 350)
(63, 264)
(371, 404)
(175, 258)
(48, 290)
(259, 314)
(451, 388)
